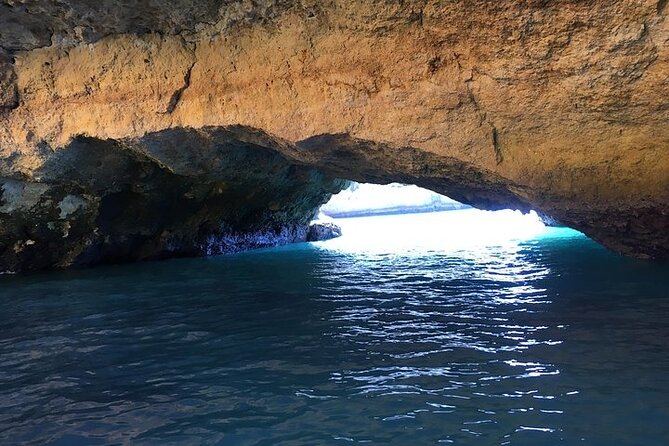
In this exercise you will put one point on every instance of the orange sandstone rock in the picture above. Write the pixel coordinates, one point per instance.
(559, 106)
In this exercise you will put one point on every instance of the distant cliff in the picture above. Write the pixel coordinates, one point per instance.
(371, 199)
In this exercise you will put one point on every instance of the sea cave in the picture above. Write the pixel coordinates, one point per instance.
(188, 256)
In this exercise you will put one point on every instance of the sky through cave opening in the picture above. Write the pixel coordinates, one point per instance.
(404, 218)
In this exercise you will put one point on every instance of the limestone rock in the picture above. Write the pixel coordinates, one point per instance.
(103, 201)
(319, 231)
(8, 90)
(557, 106)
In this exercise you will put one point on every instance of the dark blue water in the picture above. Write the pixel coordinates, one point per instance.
(540, 339)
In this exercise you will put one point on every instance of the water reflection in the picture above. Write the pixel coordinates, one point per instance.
(510, 341)
(439, 324)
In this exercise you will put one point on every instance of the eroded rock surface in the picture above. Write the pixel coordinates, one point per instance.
(100, 201)
(319, 231)
(558, 106)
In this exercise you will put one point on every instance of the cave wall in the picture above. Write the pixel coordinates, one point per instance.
(558, 106)
(107, 201)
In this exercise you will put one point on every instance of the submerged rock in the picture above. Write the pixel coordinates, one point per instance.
(319, 231)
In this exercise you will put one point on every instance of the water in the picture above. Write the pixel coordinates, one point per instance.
(522, 335)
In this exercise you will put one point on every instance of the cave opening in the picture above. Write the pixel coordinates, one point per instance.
(208, 134)
(238, 188)
(399, 217)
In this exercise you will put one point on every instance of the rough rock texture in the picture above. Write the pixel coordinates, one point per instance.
(319, 231)
(560, 106)
(99, 201)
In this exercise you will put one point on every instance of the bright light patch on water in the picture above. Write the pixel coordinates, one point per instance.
(436, 231)
(411, 227)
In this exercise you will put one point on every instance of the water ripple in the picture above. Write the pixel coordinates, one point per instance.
(542, 342)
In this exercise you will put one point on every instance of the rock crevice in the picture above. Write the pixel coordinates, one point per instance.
(176, 97)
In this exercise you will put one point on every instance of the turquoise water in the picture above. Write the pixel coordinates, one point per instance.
(422, 329)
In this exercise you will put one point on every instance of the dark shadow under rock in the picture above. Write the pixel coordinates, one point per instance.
(174, 193)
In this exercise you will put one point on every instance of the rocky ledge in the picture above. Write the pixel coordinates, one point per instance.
(319, 231)
(132, 131)
(101, 201)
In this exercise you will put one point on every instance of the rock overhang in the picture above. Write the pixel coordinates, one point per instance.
(560, 107)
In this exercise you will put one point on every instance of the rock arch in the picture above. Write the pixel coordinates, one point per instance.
(189, 192)
(561, 107)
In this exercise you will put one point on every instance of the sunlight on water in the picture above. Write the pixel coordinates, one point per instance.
(464, 230)
(463, 328)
